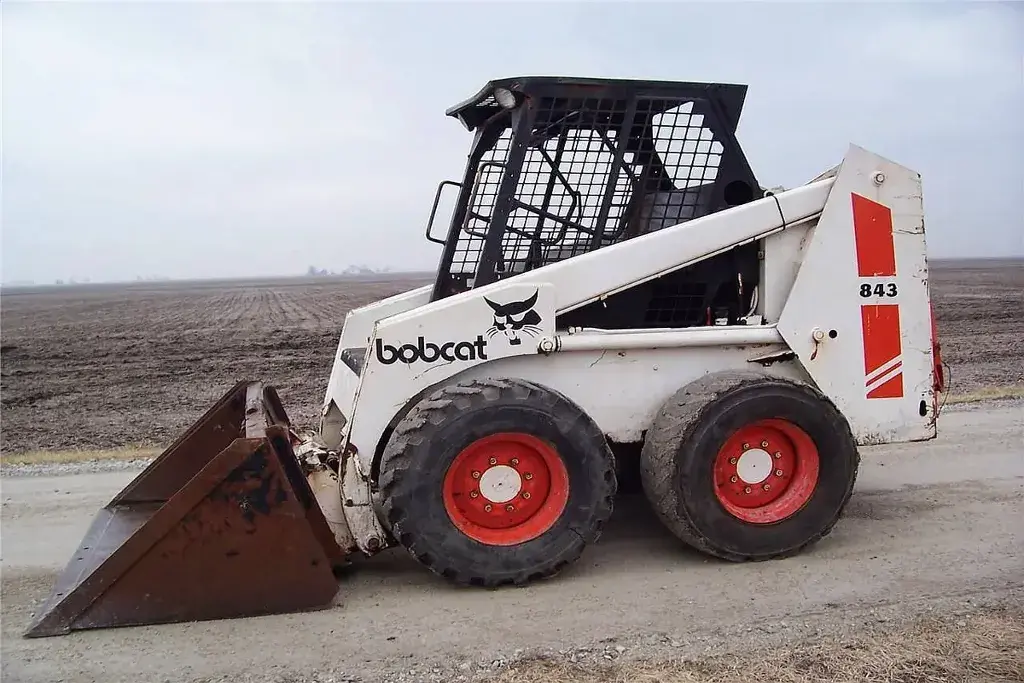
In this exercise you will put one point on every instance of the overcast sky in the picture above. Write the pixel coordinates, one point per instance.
(202, 140)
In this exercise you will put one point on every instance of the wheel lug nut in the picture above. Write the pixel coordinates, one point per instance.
(493, 461)
(764, 444)
(476, 475)
(487, 508)
(746, 446)
(732, 461)
(778, 473)
(778, 455)
(527, 476)
(515, 461)
(526, 495)
(473, 494)
(746, 490)
(767, 487)
(733, 478)
(510, 508)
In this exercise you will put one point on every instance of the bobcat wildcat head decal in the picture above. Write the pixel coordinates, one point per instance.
(514, 319)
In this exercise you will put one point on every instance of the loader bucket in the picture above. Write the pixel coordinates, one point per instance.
(221, 524)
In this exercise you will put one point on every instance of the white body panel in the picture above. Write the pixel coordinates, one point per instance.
(810, 285)
(456, 333)
(783, 253)
(875, 358)
(356, 332)
(588, 377)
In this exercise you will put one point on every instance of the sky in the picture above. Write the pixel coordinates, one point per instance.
(202, 139)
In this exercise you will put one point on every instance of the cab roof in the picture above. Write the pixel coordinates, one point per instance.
(480, 107)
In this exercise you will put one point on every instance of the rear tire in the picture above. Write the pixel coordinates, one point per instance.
(491, 482)
(744, 466)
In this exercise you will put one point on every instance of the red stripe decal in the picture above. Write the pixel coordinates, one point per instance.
(880, 324)
(893, 388)
(874, 377)
(872, 230)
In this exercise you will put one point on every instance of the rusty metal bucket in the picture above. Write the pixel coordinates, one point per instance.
(221, 524)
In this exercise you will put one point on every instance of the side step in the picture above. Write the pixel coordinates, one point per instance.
(221, 524)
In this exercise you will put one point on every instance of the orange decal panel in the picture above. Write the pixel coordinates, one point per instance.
(890, 388)
(872, 229)
(883, 365)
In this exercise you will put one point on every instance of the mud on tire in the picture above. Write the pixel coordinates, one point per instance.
(459, 443)
(697, 480)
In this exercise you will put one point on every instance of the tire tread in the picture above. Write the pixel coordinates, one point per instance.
(676, 421)
(448, 402)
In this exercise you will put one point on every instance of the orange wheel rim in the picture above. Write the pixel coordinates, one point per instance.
(766, 471)
(506, 489)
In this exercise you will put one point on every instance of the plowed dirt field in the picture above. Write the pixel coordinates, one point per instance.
(105, 366)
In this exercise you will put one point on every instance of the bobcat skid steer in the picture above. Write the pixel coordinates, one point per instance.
(613, 280)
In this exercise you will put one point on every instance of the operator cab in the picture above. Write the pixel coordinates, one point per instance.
(563, 166)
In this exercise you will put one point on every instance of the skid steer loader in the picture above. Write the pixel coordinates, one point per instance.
(613, 280)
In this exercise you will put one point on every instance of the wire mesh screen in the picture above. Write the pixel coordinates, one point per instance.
(677, 304)
(595, 172)
(482, 200)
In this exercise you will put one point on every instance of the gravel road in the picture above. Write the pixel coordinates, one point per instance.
(932, 527)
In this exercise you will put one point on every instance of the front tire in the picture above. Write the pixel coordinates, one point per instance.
(744, 466)
(491, 482)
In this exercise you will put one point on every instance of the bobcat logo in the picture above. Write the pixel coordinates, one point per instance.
(514, 319)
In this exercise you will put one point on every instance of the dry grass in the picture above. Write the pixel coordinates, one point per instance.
(60, 457)
(987, 648)
(987, 394)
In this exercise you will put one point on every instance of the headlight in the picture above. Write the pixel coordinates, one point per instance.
(505, 98)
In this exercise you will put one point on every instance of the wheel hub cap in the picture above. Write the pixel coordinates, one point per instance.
(754, 466)
(506, 488)
(766, 471)
(500, 484)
